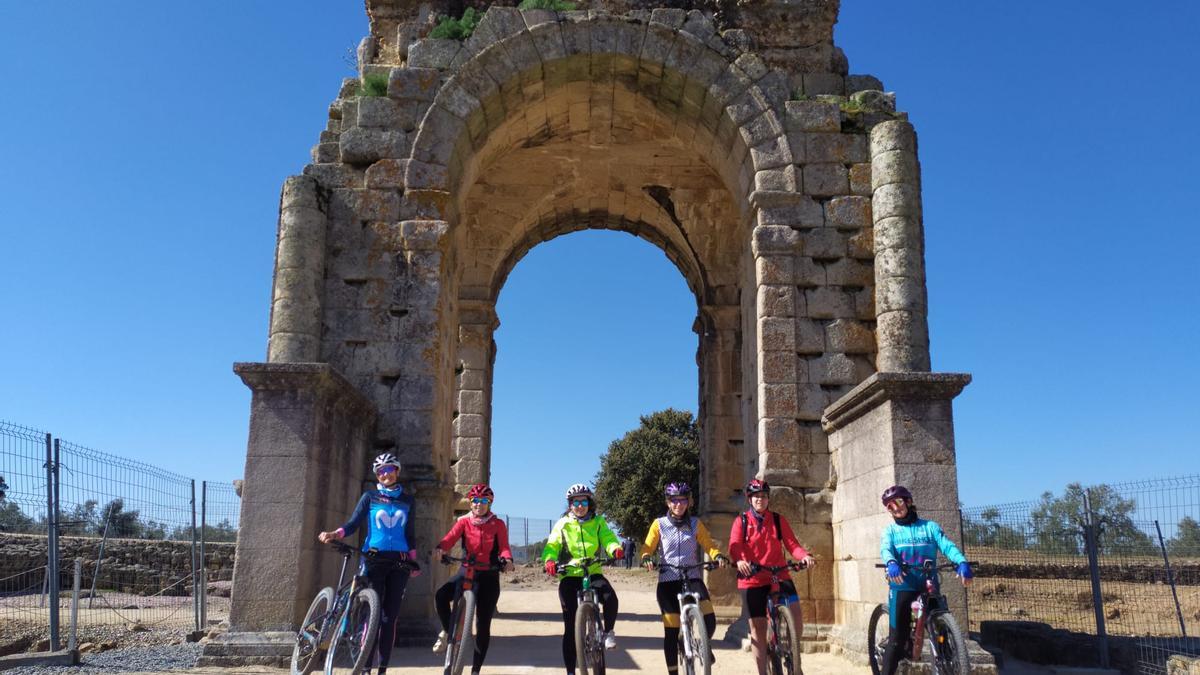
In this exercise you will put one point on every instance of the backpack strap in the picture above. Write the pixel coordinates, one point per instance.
(745, 528)
(778, 527)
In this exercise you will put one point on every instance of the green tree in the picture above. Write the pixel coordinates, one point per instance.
(121, 523)
(629, 487)
(988, 531)
(12, 519)
(1057, 522)
(81, 520)
(1186, 542)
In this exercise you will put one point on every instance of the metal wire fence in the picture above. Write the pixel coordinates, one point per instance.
(146, 559)
(1119, 561)
(527, 537)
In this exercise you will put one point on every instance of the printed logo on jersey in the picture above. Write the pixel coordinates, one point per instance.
(383, 520)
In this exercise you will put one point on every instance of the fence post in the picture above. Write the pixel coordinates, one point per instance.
(72, 640)
(203, 558)
(52, 538)
(1091, 529)
(99, 560)
(1171, 580)
(195, 579)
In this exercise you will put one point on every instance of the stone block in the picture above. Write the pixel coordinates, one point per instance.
(365, 146)
(471, 378)
(774, 269)
(325, 153)
(900, 262)
(472, 401)
(898, 232)
(861, 244)
(893, 135)
(386, 174)
(812, 116)
(901, 358)
(849, 272)
(810, 336)
(771, 154)
(699, 24)
(809, 274)
(835, 147)
(803, 212)
(811, 402)
(537, 17)
(777, 301)
(335, 175)
(898, 293)
(826, 180)
(381, 205)
(860, 179)
(777, 400)
(833, 368)
(777, 367)
(849, 336)
(819, 84)
(774, 239)
(823, 243)
(784, 179)
(894, 166)
(423, 235)
(378, 112)
(902, 328)
(855, 83)
(896, 200)
(470, 425)
(469, 448)
(848, 213)
(425, 176)
(431, 53)
(829, 303)
(776, 334)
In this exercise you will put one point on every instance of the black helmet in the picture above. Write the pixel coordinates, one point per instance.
(896, 491)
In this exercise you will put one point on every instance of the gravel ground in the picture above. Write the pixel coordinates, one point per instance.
(125, 660)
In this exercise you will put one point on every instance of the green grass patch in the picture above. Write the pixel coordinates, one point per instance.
(552, 5)
(374, 84)
(457, 29)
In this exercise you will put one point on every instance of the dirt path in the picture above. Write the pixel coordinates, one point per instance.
(528, 631)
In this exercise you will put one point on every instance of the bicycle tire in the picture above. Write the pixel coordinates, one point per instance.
(356, 648)
(787, 641)
(461, 649)
(877, 637)
(589, 645)
(949, 645)
(700, 663)
(310, 635)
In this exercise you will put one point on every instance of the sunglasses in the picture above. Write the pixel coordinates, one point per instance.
(385, 470)
(678, 500)
(579, 502)
(481, 500)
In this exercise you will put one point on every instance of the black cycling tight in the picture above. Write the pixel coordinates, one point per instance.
(389, 581)
(487, 594)
(567, 590)
(898, 638)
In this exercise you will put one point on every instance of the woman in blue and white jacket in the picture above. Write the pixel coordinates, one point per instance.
(910, 540)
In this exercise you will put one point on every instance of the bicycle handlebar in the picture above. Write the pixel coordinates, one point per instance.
(470, 561)
(585, 563)
(373, 554)
(708, 565)
(928, 565)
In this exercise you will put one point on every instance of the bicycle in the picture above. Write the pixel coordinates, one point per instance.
(460, 646)
(783, 641)
(589, 620)
(694, 649)
(341, 622)
(931, 621)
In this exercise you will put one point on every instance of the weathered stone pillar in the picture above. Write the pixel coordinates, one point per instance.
(295, 334)
(894, 428)
(900, 300)
(473, 387)
(310, 433)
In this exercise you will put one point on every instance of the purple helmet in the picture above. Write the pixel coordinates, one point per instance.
(679, 489)
(894, 492)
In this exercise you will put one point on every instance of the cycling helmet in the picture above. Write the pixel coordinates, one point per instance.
(894, 492)
(579, 490)
(755, 485)
(679, 489)
(480, 490)
(386, 459)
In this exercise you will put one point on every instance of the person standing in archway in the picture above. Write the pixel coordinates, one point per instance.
(581, 533)
(680, 540)
(759, 535)
(386, 512)
(485, 539)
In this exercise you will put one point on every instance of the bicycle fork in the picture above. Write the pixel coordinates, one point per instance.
(918, 617)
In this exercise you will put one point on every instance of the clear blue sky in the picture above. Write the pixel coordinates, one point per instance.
(145, 144)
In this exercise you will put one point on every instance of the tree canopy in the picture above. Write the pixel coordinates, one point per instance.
(665, 447)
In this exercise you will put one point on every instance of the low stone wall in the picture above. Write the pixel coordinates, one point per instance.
(132, 565)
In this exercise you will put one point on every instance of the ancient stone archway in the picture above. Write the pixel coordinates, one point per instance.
(784, 190)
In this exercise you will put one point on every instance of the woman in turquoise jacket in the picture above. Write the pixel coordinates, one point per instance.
(911, 540)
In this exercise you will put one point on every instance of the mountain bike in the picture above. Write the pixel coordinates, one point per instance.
(342, 623)
(694, 651)
(589, 620)
(932, 622)
(783, 640)
(460, 645)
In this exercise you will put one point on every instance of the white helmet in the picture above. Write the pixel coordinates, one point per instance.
(578, 490)
(386, 459)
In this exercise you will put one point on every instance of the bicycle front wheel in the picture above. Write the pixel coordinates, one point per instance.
(694, 654)
(949, 645)
(787, 642)
(461, 650)
(589, 641)
(310, 639)
(877, 631)
(354, 640)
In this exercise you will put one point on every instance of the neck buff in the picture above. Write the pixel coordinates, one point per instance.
(678, 521)
(480, 521)
(392, 492)
(909, 518)
(584, 519)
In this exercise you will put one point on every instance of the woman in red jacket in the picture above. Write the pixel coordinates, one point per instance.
(759, 536)
(484, 537)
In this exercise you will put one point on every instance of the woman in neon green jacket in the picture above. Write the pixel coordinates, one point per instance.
(581, 534)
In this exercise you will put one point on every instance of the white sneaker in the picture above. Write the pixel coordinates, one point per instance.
(440, 645)
(610, 641)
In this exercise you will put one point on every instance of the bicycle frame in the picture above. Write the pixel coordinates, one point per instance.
(775, 600)
(929, 603)
(687, 596)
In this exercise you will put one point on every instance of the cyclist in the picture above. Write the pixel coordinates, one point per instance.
(485, 538)
(679, 539)
(912, 540)
(759, 536)
(386, 512)
(580, 533)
